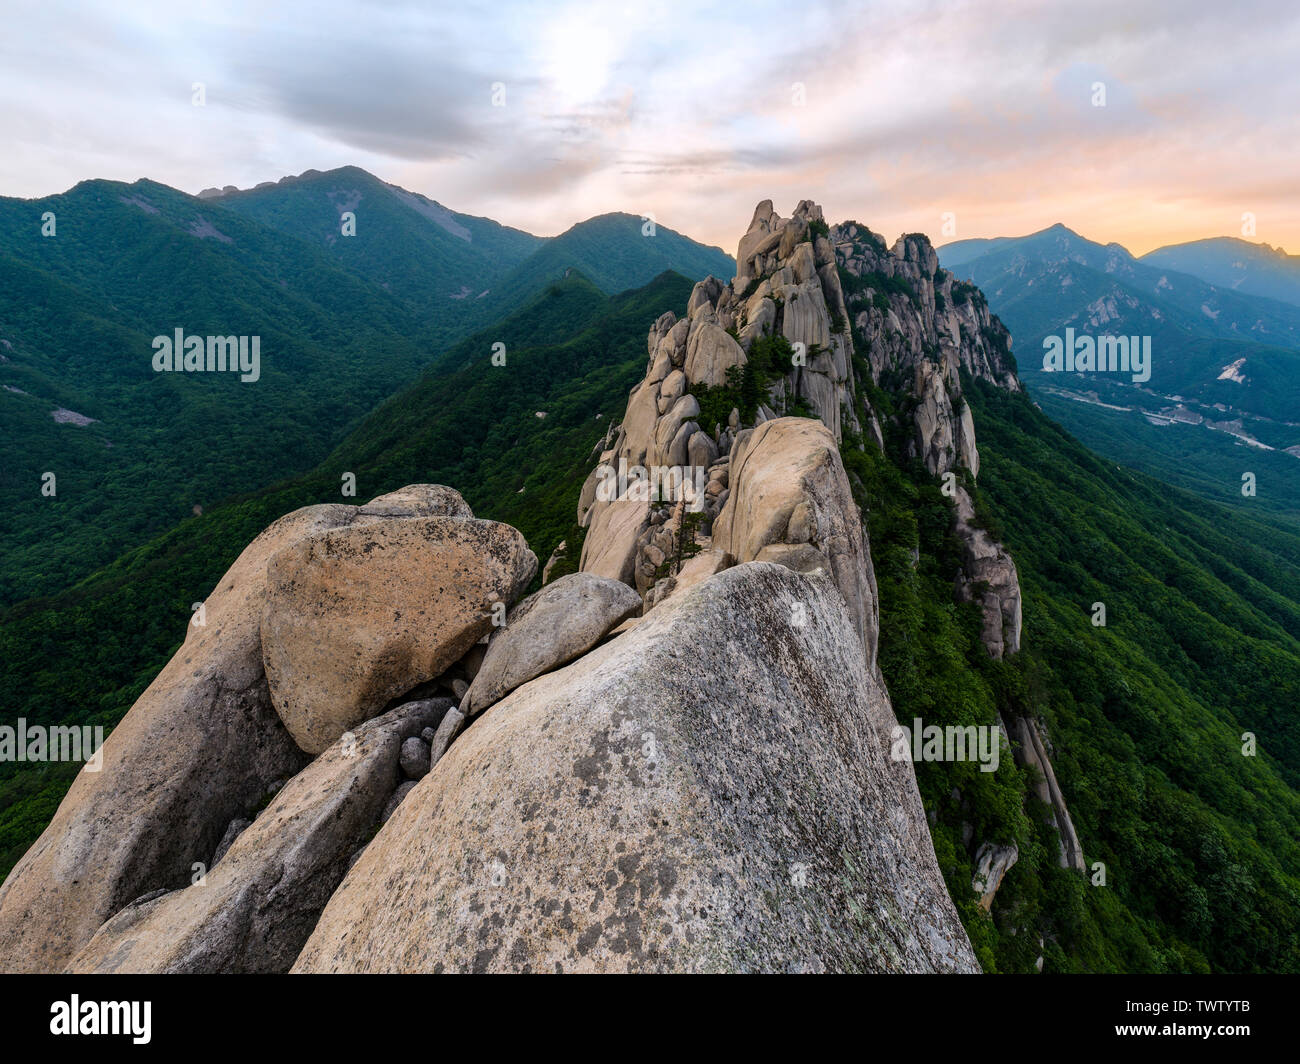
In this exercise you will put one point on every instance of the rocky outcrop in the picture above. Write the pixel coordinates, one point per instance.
(647, 809)
(992, 863)
(919, 328)
(610, 547)
(549, 629)
(790, 502)
(558, 555)
(414, 500)
(838, 295)
(202, 746)
(787, 286)
(357, 616)
(945, 433)
(254, 909)
(906, 311)
(694, 571)
(988, 575)
(1033, 752)
(413, 759)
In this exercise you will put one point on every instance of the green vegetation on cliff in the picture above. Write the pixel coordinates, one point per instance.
(1201, 845)
(1145, 715)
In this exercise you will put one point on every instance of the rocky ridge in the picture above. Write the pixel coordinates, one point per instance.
(649, 808)
(631, 787)
(854, 315)
(620, 779)
(837, 298)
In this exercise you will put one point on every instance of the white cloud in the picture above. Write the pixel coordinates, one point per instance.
(910, 109)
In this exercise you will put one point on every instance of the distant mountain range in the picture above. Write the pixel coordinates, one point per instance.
(90, 277)
(465, 267)
(1223, 397)
(1230, 262)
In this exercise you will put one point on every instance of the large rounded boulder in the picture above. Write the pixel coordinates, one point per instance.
(709, 791)
(201, 746)
(790, 502)
(561, 622)
(356, 616)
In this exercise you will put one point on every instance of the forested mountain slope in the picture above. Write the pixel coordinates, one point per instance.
(1218, 396)
(1143, 716)
(89, 278)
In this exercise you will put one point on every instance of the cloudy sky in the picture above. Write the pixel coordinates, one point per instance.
(894, 113)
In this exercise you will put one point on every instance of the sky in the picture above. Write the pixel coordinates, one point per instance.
(1144, 122)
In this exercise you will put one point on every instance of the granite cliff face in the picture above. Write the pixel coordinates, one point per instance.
(676, 496)
(651, 808)
(919, 329)
(374, 758)
(836, 296)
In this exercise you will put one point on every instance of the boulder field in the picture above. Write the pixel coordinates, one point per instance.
(709, 791)
(704, 787)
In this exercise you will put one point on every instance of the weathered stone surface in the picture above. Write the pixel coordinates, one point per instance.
(547, 630)
(415, 758)
(788, 485)
(639, 423)
(668, 430)
(701, 451)
(557, 555)
(630, 812)
(710, 352)
(991, 864)
(414, 500)
(587, 497)
(935, 420)
(955, 330)
(704, 294)
(662, 362)
(758, 239)
(761, 320)
(968, 452)
(1033, 752)
(660, 329)
(355, 617)
(989, 575)
(610, 547)
(672, 389)
(473, 660)
(801, 557)
(676, 455)
(256, 908)
(805, 319)
(694, 571)
(233, 832)
(201, 747)
(399, 795)
(446, 733)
